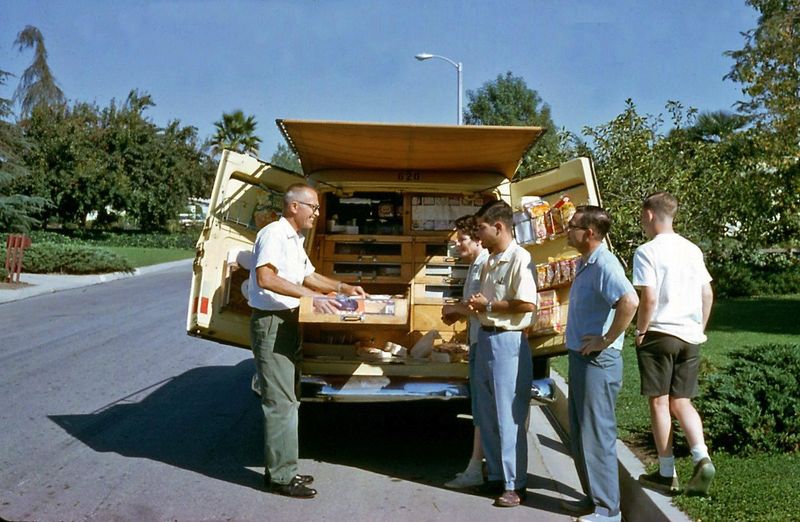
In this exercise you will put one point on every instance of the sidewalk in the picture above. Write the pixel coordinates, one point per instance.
(38, 284)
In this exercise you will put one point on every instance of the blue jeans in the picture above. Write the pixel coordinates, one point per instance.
(503, 374)
(594, 384)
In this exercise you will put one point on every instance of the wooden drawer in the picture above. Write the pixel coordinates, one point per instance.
(441, 274)
(355, 272)
(436, 294)
(429, 317)
(386, 310)
(439, 250)
(367, 249)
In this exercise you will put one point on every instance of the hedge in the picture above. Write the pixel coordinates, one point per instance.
(49, 258)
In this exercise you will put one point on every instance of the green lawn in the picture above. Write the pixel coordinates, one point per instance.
(139, 257)
(746, 488)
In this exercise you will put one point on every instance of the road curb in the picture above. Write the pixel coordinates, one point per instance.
(50, 283)
(638, 504)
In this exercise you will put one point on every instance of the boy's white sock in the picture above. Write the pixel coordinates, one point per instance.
(699, 452)
(666, 466)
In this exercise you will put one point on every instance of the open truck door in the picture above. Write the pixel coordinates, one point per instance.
(542, 205)
(247, 194)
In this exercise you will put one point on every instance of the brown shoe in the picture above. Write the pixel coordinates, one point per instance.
(510, 498)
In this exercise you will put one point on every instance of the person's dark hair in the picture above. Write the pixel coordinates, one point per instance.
(467, 225)
(496, 210)
(594, 217)
(663, 204)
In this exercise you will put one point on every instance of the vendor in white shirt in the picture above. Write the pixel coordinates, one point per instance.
(283, 273)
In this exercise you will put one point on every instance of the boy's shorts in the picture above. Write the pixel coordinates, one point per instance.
(668, 366)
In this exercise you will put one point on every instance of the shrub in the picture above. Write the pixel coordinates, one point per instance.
(185, 238)
(753, 404)
(46, 258)
(3, 271)
(738, 271)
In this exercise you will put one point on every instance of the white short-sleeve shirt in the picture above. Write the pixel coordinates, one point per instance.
(673, 266)
(509, 276)
(280, 246)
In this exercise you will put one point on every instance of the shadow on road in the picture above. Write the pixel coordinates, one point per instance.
(208, 421)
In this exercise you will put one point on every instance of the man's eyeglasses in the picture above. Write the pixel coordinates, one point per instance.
(313, 208)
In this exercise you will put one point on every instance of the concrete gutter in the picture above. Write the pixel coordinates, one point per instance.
(38, 284)
(638, 504)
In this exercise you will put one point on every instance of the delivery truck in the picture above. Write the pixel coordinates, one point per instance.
(389, 195)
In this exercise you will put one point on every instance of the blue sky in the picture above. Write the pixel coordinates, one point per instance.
(353, 60)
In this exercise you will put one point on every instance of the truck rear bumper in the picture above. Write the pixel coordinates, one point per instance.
(384, 389)
(380, 389)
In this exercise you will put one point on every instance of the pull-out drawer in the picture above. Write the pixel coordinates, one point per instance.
(441, 274)
(437, 294)
(429, 317)
(367, 249)
(373, 310)
(355, 272)
(435, 252)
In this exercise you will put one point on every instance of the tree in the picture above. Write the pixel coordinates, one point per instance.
(716, 126)
(88, 159)
(235, 132)
(37, 85)
(768, 67)
(286, 158)
(507, 100)
(16, 210)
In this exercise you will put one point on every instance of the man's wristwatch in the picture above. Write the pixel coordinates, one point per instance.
(639, 333)
(488, 306)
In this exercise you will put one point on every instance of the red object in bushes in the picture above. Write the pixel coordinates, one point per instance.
(15, 249)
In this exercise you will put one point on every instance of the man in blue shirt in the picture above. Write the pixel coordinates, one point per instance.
(602, 303)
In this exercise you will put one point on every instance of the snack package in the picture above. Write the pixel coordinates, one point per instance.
(567, 210)
(537, 208)
(541, 276)
(558, 221)
(522, 228)
(565, 271)
(548, 315)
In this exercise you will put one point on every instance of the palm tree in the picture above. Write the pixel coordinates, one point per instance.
(235, 132)
(37, 84)
(716, 126)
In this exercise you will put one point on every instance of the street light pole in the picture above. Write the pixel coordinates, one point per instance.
(427, 56)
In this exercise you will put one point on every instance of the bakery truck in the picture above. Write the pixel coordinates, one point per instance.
(389, 195)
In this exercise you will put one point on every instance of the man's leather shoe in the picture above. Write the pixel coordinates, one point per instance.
(295, 489)
(511, 498)
(303, 479)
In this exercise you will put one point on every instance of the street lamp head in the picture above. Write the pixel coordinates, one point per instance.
(423, 56)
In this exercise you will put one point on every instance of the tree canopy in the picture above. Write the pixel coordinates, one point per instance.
(286, 158)
(37, 86)
(16, 210)
(113, 160)
(507, 100)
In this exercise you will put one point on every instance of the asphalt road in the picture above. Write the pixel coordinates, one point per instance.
(111, 412)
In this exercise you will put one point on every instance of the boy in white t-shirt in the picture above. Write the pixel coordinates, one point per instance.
(675, 304)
